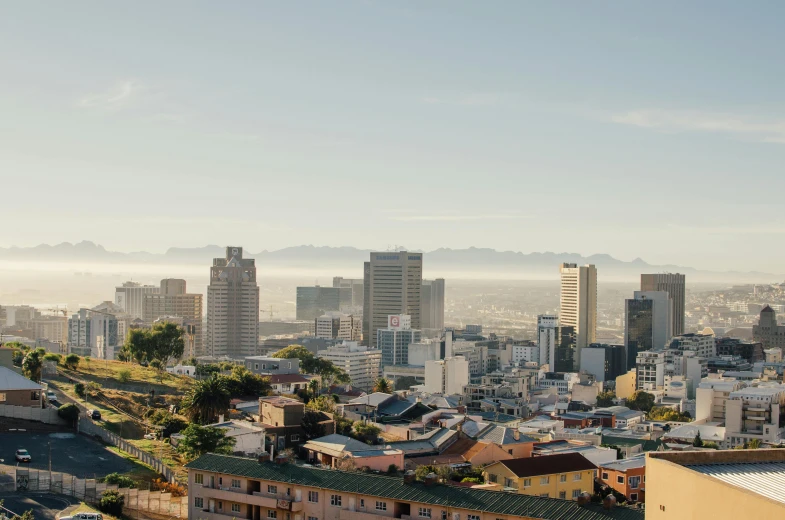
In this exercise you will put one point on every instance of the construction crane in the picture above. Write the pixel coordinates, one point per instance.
(57, 311)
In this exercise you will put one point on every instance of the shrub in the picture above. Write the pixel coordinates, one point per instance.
(111, 503)
(119, 480)
(79, 389)
(52, 357)
(175, 489)
(124, 375)
(392, 469)
(71, 361)
(69, 412)
(473, 480)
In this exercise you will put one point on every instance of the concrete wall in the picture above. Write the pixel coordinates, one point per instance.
(44, 415)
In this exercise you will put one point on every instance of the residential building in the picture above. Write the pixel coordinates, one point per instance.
(595, 454)
(336, 325)
(715, 484)
(313, 302)
(172, 299)
(249, 438)
(511, 440)
(130, 297)
(232, 307)
(351, 292)
(647, 322)
(18, 313)
(282, 418)
(750, 351)
(446, 376)
(564, 476)
(222, 487)
(650, 370)
(578, 304)
(362, 364)
(674, 285)
(17, 390)
(52, 328)
(755, 412)
(289, 383)
(392, 285)
(475, 354)
(394, 340)
(333, 450)
(432, 304)
(93, 333)
(626, 476)
(267, 366)
(463, 453)
(767, 331)
(424, 350)
(704, 345)
(562, 381)
(525, 353)
(547, 339)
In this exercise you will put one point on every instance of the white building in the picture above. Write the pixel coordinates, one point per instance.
(546, 339)
(424, 351)
(336, 325)
(446, 376)
(93, 333)
(525, 354)
(130, 297)
(711, 397)
(704, 345)
(650, 370)
(362, 364)
(562, 382)
(578, 304)
(755, 413)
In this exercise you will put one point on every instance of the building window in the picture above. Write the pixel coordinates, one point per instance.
(220, 506)
(562, 478)
(545, 495)
(620, 480)
(381, 506)
(576, 493)
(313, 496)
(545, 480)
(604, 475)
(272, 489)
(235, 483)
(562, 494)
(444, 515)
(295, 437)
(2, 397)
(492, 478)
(362, 503)
(577, 476)
(425, 512)
(235, 508)
(199, 478)
(633, 497)
(509, 451)
(272, 513)
(526, 482)
(199, 502)
(473, 517)
(335, 500)
(312, 518)
(635, 482)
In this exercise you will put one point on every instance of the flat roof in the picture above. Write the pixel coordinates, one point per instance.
(764, 478)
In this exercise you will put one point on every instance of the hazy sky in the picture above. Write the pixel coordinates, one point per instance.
(638, 129)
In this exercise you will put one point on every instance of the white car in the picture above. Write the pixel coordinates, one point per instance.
(149, 436)
(84, 516)
(23, 456)
(50, 396)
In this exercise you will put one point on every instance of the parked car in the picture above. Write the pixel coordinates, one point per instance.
(84, 516)
(94, 415)
(149, 436)
(23, 456)
(50, 396)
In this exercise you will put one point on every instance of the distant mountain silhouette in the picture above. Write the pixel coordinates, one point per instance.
(470, 260)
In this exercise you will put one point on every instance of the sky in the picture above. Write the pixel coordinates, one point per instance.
(637, 129)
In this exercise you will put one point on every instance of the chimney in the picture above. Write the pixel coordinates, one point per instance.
(516, 434)
(430, 479)
(409, 477)
(280, 459)
(608, 502)
(584, 498)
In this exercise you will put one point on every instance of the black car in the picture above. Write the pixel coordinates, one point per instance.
(94, 415)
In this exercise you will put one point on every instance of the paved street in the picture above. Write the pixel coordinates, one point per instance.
(45, 506)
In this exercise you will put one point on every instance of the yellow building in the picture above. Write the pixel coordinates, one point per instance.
(563, 476)
(716, 485)
(625, 384)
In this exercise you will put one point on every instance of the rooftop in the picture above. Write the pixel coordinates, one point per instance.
(374, 399)
(10, 380)
(535, 466)
(277, 400)
(639, 461)
(394, 488)
(277, 379)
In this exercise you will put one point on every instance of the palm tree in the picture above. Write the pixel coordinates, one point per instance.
(206, 400)
(32, 365)
(313, 386)
(382, 385)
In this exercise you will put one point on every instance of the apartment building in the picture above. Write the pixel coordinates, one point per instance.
(674, 285)
(563, 476)
(432, 304)
(650, 370)
(446, 376)
(626, 476)
(337, 325)
(222, 487)
(768, 331)
(704, 345)
(755, 412)
(130, 297)
(362, 364)
(173, 300)
(268, 366)
(52, 328)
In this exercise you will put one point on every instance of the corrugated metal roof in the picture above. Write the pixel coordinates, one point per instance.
(394, 488)
(764, 478)
(10, 380)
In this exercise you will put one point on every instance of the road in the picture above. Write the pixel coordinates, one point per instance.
(71, 453)
(44, 505)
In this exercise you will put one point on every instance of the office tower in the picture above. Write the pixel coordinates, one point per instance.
(578, 304)
(130, 297)
(362, 364)
(446, 376)
(647, 322)
(313, 302)
(336, 325)
(393, 282)
(674, 285)
(546, 339)
(352, 292)
(232, 306)
(173, 301)
(604, 362)
(767, 331)
(565, 350)
(394, 340)
(93, 333)
(432, 304)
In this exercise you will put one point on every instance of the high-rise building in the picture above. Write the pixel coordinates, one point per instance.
(130, 297)
(336, 325)
(432, 304)
(313, 302)
(392, 284)
(767, 331)
(578, 304)
(604, 362)
(362, 364)
(93, 333)
(647, 322)
(232, 307)
(565, 350)
(394, 340)
(172, 300)
(351, 292)
(446, 376)
(51, 328)
(674, 285)
(547, 339)
(650, 370)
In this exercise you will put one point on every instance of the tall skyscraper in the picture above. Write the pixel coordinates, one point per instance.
(173, 301)
(674, 285)
(578, 304)
(432, 304)
(313, 302)
(547, 339)
(232, 306)
(647, 323)
(394, 340)
(393, 283)
(130, 296)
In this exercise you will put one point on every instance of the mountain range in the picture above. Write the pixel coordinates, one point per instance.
(471, 260)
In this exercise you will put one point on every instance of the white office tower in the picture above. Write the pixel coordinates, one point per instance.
(362, 364)
(432, 304)
(546, 339)
(392, 285)
(336, 325)
(578, 304)
(130, 297)
(446, 376)
(232, 307)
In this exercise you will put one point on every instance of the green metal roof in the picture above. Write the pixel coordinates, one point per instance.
(394, 488)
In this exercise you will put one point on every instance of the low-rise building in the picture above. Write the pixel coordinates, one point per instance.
(17, 390)
(564, 476)
(281, 418)
(626, 476)
(335, 450)
(361, 364)
(755, 412)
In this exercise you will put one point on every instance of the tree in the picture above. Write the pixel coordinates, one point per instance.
(366, 432)
(296, 352)
(32, 364)
(712, 445)
(71, 361)
(313, 386)
(641, 400)
(117, 479)
(207, 369)
(79, 390)
(244, 382)
(754, 444)
(662, 413)
(52, 357)
(322, 403)
(198, 440)
(697, 441)
(606, 398)
(405, 382)
(112, 503)
(423, 471)
(343, 426)
(206, 400)
(68, 412)
(392, 469)
(312, 425)
(27, 515)
(382, 385)
(164, 342)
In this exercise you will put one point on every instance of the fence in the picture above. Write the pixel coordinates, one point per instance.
(90, 490)
(44, 415)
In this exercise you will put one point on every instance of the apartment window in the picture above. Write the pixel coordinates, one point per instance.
(2, 397)
(527, 482)
(577, 476)
(220, 506)
(545, 480)
(235, 483)
(444, 515)
(508, 482)
(562, 494)
(545, 495)
(492, 478)
(604, 475)
(425, 512)
(633, 497)
(562, 478)
(635, 482)
(362, 503)
(272, 513)
(199, 502)
(220, 481)
(199, 478)
(576, 493)
(335, 500)
(473, 517)
(381, 506)
(295, 437)
(312, 518)
(235, 508)
(272, 489)
(313, 496)
(620, 480)
(509, 451)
